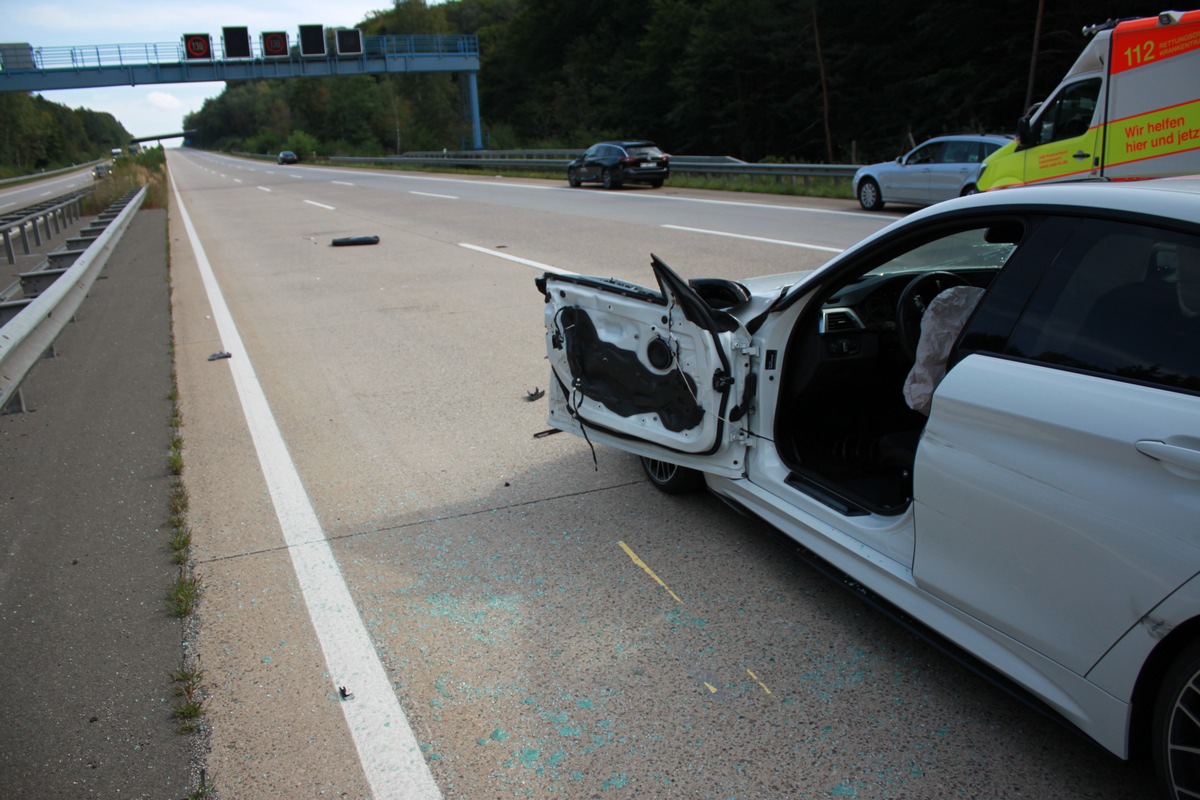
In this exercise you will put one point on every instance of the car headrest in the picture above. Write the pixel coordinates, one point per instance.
(1188, 280)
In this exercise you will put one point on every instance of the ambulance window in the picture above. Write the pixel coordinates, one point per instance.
(1069, 114)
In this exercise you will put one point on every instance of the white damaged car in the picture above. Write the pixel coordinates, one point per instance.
(987, 414)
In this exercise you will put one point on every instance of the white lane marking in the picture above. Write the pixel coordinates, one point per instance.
(342, 183)
(756, 238)
(742, 204)
(297, 177)
(387, 749)
(237, 180)
(364, 174)
(517, 259)
(634, 195)
(45, 194)
(320, 205)
(877, 216)
(430, 194)
(265, 189)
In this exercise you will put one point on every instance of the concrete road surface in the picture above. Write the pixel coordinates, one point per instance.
(407, 594)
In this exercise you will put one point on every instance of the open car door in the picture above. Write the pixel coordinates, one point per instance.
(657, 373)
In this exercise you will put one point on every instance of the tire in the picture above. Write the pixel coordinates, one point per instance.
(670, 478)
(1176, 727)
(609, 180)
(969, 190)
(573, 179)
(869, 196)
(656, 184)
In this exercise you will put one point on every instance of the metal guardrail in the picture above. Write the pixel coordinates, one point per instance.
(59, 212)
(558, 159)
(39, 175)
(38, 322)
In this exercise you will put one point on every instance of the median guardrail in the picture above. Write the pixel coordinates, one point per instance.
(37, 176)
(58, 214)
(51, 301)
(707, 166)
(558, 159)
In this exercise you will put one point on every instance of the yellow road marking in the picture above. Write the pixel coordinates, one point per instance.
(649, 572)
(711, 688)
(760, 683)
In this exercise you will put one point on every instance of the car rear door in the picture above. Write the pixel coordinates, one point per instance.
(909, 182)
(590, 168)
(956, 166)
(657, 373)
(1057, 484)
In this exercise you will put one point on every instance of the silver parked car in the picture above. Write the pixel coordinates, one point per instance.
(936, 170)
(987, 414)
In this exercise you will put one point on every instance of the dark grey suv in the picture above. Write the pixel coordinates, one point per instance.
(615, 163)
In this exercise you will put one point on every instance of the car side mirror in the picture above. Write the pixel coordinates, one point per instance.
(1025, 132)
(900, 160)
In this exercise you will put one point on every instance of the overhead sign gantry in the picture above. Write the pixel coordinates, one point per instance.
(196, 58)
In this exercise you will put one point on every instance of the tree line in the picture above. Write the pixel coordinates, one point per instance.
(36, 134)
(789, 80)
(794, 80)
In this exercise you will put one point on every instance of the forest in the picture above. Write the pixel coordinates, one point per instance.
(809, 81)
(784, 80)
(36, 134)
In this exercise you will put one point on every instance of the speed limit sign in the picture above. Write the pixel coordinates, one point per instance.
(274, 44)
(197, 45)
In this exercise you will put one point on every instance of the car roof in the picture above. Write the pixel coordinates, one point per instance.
(1003, 138)
(1171, 198)
(630, 142)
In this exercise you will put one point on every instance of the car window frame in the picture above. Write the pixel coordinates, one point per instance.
(970, 146)
(936, 146)
(991, 328)
(1054, 107)
(1080, 352)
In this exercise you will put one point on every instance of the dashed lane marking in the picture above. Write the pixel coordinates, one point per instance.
(784, 242)
(517, 259)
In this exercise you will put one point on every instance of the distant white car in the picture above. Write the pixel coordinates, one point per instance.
(936, 170)
(987, 414)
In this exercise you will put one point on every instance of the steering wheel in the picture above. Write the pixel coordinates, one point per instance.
(915, 298)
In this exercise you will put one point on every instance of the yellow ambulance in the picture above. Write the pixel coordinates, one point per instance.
(1128, 109)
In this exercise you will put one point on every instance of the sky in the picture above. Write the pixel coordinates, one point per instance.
(160, 108)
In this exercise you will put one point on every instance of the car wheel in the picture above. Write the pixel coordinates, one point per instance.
(1176, 735)
(969, 189)
(655, 184)
(610, 180)
(869, 196)
(573, 179)
(672, 478)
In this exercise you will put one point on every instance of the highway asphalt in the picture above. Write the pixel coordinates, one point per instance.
(87, 646)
